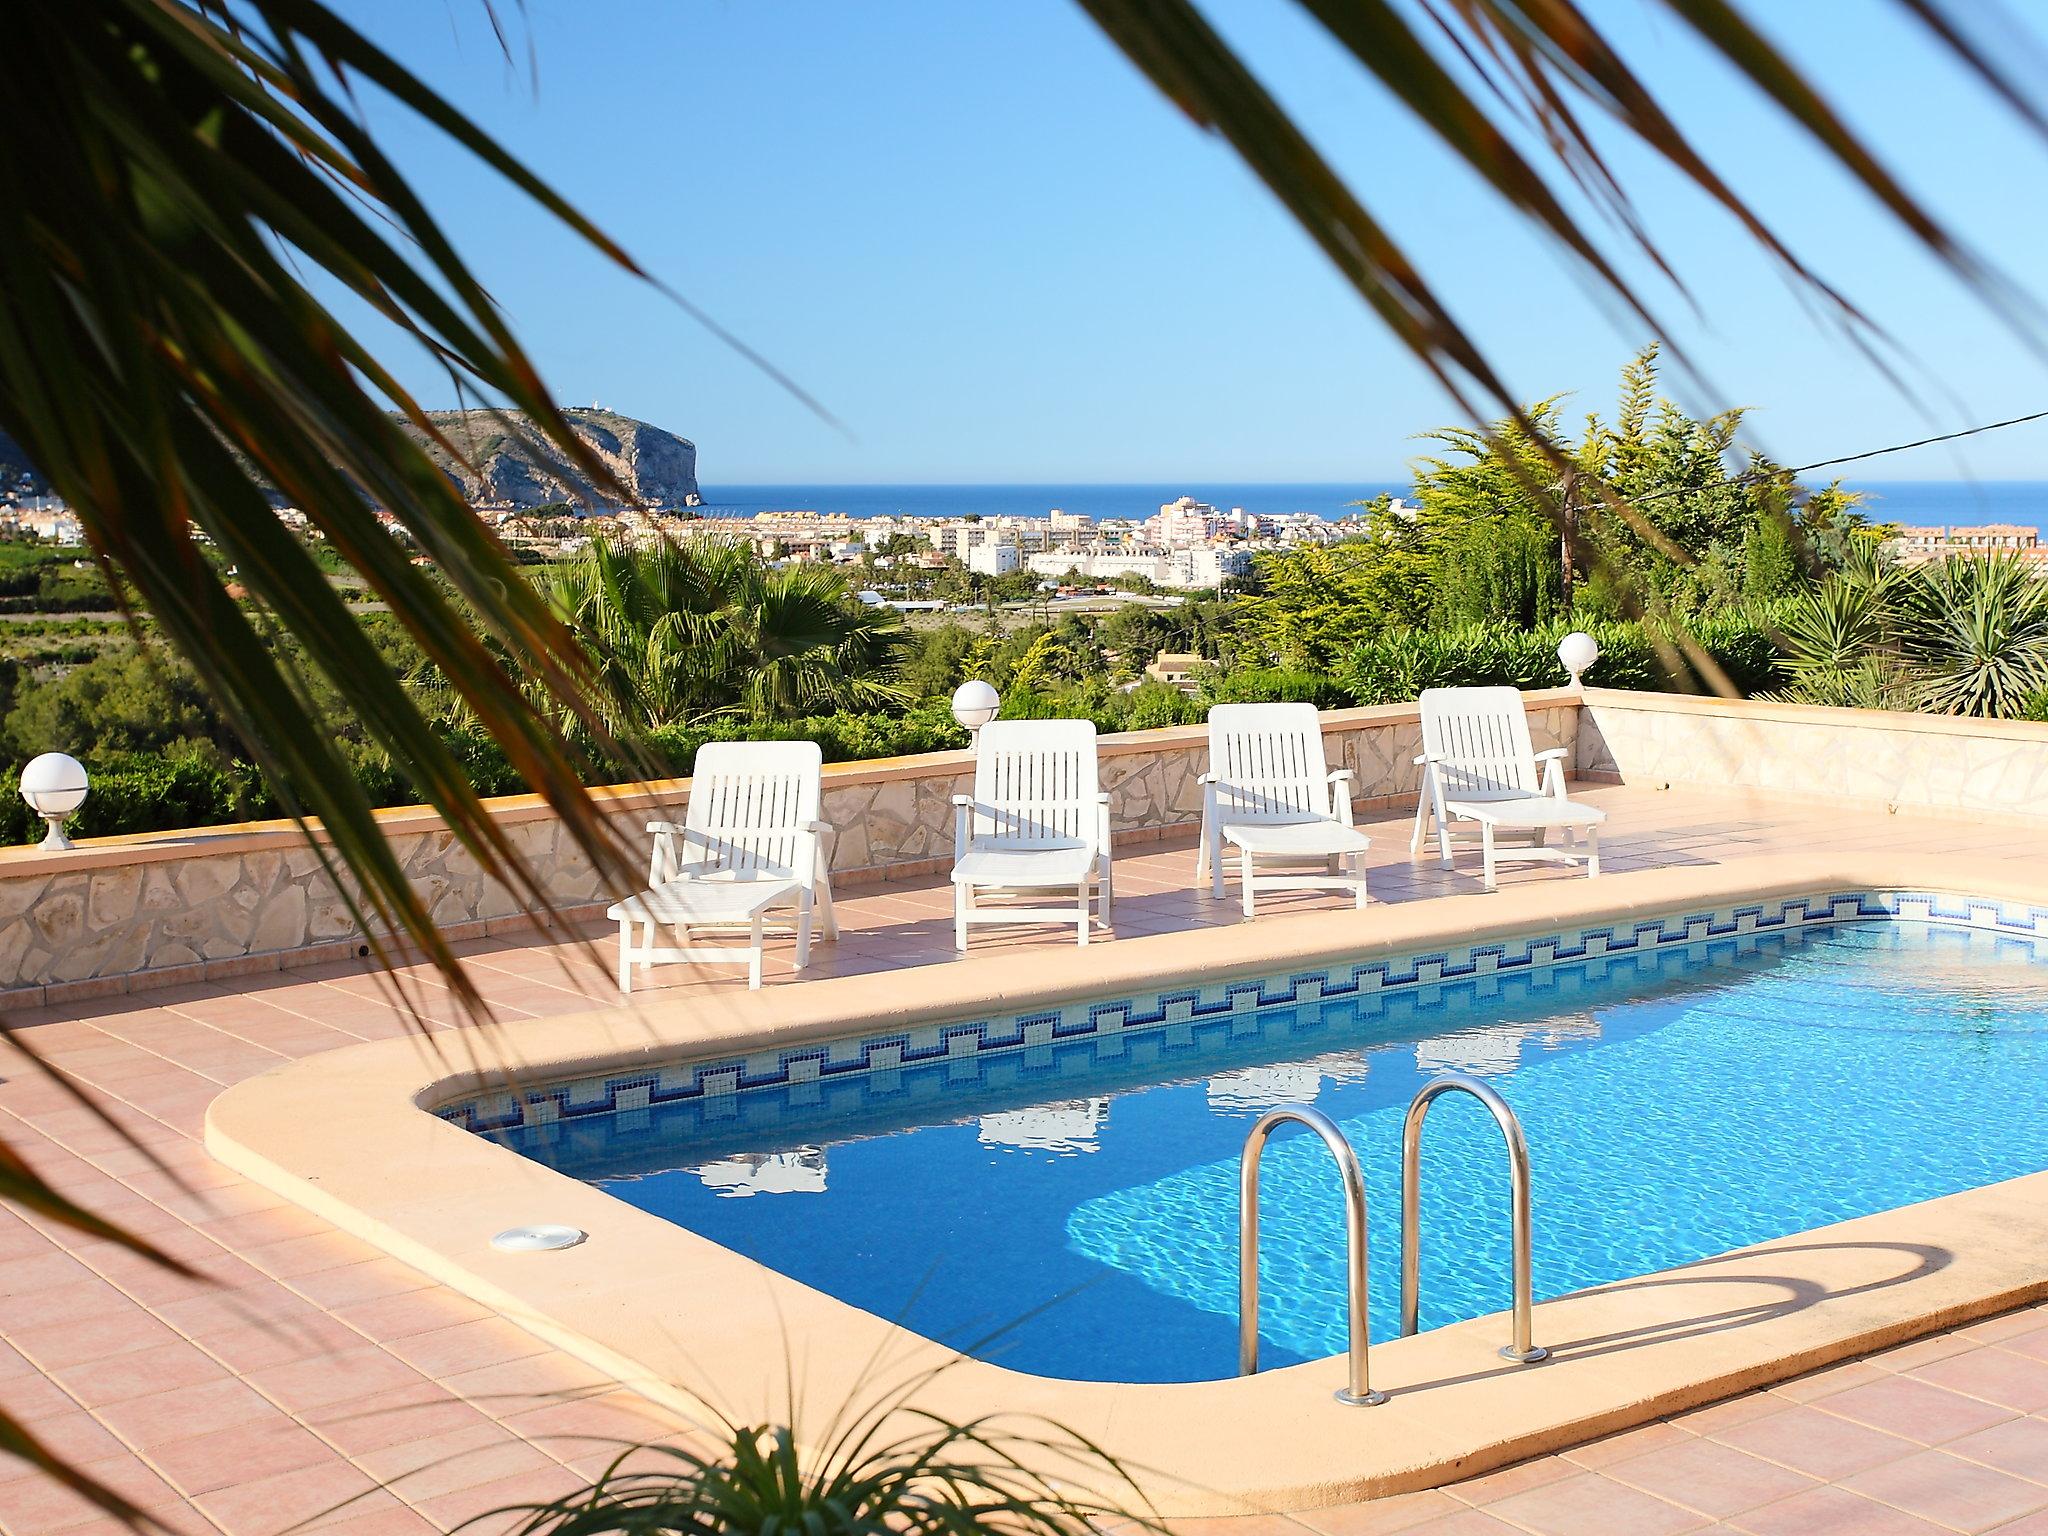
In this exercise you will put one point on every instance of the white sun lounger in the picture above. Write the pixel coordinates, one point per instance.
(1478, 765)
(1270, 794)
(1037, 823)
(750, 842)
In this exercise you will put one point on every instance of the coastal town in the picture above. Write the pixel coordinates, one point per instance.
(1184, 545)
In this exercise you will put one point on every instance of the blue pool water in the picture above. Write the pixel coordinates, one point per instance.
(1072, 1211)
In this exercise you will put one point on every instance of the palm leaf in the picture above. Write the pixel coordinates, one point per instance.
(1534, 60)
(166, 365)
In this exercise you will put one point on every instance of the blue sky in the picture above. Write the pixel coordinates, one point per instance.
(998, 255)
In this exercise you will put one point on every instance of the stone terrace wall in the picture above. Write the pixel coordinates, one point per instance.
(117, 914)
(1872, 759)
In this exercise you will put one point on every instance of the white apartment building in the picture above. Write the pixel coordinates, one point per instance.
(994, 559)
(1205, 566)
(1068, 528)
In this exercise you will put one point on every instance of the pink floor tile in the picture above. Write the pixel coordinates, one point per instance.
(1705, 1475)
(1950, 1491)
(1916, 1410)
(1589, 1504)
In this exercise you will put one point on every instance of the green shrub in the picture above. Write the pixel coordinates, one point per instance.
(925, 727)
(1267, 685)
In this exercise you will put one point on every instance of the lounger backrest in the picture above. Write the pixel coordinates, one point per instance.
(1480, 740)
(1268, 762)
(749, 800)
(1035, 784)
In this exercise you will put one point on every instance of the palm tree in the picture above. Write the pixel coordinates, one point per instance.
(686, 630)
(191, 176)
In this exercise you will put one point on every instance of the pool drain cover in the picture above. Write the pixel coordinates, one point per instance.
(537, 1239)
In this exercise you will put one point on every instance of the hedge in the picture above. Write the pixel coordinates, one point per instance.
(146, 793)
(1399, 665)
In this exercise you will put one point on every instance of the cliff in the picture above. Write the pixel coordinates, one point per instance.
(509, 468)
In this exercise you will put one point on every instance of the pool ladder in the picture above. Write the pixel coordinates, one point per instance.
(1358, 1390)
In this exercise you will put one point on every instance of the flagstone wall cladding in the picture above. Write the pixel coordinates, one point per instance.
(213, 903)
(1927, 765)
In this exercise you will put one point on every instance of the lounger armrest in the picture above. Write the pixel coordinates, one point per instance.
(1424, 757)
(661, 858)
(963, 799)
(1209, 778)
(1552, 760)
(1340, 782)
(1553, 754)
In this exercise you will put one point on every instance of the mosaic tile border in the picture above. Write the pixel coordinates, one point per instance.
(882, 1052)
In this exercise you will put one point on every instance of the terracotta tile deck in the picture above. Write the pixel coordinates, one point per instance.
(302, 1379)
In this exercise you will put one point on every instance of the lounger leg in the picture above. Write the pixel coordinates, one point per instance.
(804, 903)
(1202, 849)
(625, 954)
(1108, 892)
(1244, 877)
(1592, 852)
(1357, 862)
(1486, 841)
(1421, 818)
(1215, 846)
(825, 908)
(1083, 905)
(758, 941)
(960, 905)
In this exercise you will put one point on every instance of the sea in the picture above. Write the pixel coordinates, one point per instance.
(1915, 502)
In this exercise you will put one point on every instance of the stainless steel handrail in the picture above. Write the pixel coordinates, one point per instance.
(1523, 1350)
(1359, 1393)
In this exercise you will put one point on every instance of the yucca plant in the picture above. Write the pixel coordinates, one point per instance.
(1962, 636)
(888, 1471)
(1841, 626)
(1975, 631)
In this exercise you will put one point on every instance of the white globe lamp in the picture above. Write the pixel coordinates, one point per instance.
(54, 786)
(1577, 651)
(975, 704)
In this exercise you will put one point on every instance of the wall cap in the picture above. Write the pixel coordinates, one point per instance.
(1777, 712)
(235, 839)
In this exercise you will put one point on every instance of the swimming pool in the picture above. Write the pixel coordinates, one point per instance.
(1067, 1205)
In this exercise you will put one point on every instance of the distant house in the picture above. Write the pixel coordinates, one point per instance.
(1919, 546)
(1175, 669)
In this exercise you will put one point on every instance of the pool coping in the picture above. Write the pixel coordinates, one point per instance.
(700, 1328)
